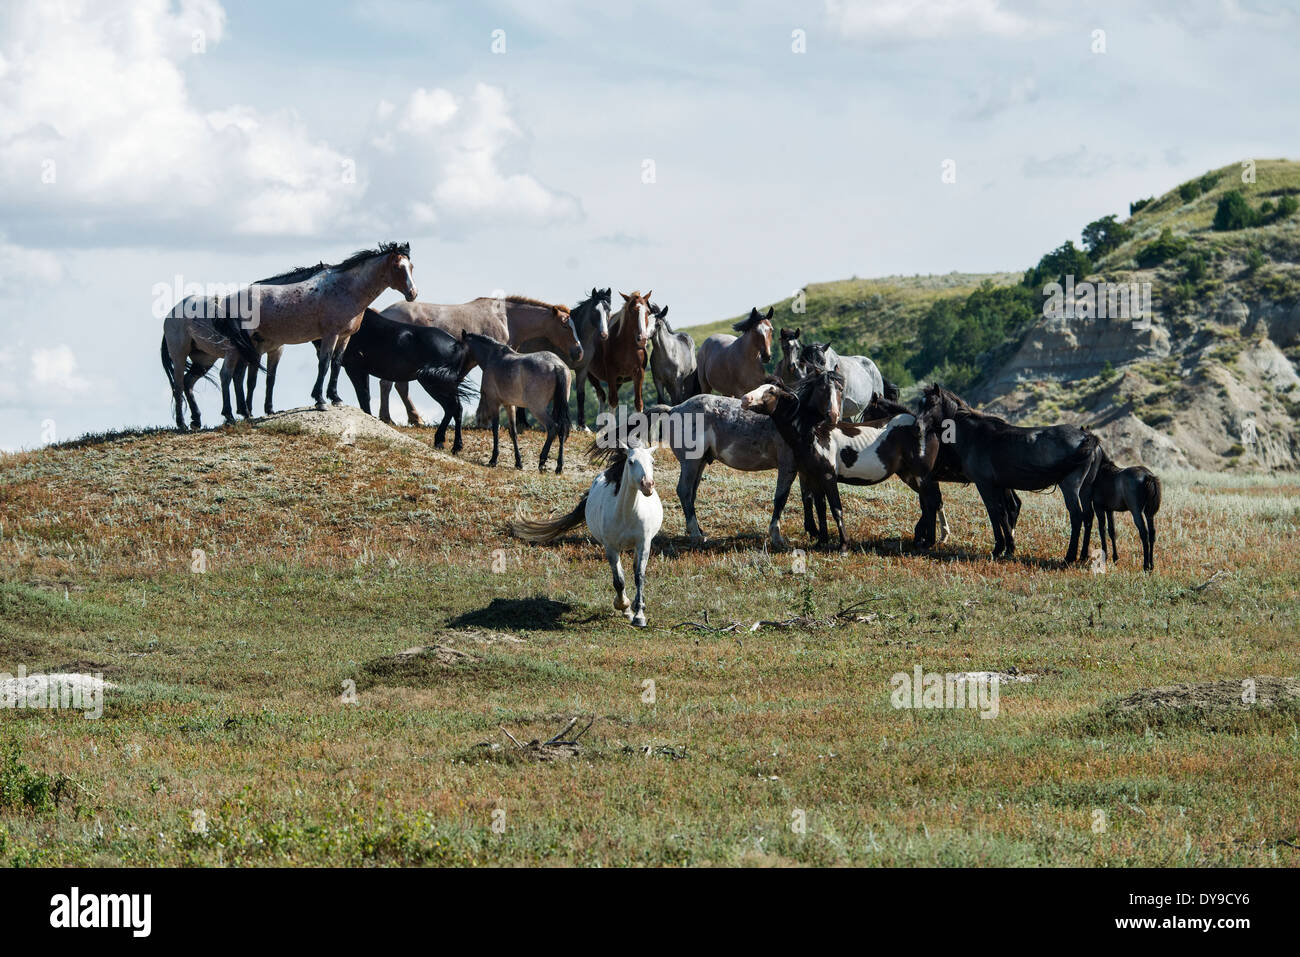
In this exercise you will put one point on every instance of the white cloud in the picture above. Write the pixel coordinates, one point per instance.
(102, 144)
(923, 19)
(56, 368)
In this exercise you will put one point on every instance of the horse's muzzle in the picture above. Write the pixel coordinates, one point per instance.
(575, 353)
(411, 296)
(604, 335)
(647, 486)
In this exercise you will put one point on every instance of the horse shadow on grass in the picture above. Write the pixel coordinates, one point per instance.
(536, 613)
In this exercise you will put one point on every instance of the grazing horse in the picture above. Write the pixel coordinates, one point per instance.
(591, 320)
(714, 428)
(191, 345)
(995, 455)
(400, 352)
(672, 363)
(862, 379)
(733, 365)
(623, 512)
(622, 357)
(326, 303)
(514, 380)
(1136, 489)
(513, 320)
(829, 452)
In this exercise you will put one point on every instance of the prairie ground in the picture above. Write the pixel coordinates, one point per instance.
(236, 585)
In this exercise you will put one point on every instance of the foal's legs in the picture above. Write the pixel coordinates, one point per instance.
(514, 435)
(833, 493)
(250, 388)
(1140, 521)
(544, 419)
(412, 416)
(620, 596)
(496, 428)
(324, 353)
(637, 610)
(1149, 558)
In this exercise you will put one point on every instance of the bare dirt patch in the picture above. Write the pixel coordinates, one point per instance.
(1230, 705)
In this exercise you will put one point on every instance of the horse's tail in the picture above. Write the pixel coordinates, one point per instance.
(1151, 492)
(234, 330)
(560, 403)
(542, 532)
(890, 389)
(169, 369)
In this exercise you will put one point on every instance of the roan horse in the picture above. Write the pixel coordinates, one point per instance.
(996, 456)
(622, 357)
(514, 380)
(672, 361)
(1136, 489)
(623, 512)
(733, 365)
(401, 352)
(829, 452)
(513, 320)
(326, 303)
(728, 434)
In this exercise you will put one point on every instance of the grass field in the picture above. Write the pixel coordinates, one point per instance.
(227, 739)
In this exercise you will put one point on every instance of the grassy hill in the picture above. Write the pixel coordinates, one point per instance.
(229, 737)
(1212, 384)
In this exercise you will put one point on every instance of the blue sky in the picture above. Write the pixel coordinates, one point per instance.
(523, 171)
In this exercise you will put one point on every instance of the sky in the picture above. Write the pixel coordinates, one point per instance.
(723, 155)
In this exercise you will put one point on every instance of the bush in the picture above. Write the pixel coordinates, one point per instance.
(1234, 212)
(1189, 191)
(1137, 204)
(1255, 259)
(1196, 268)
(1166, 246)
(1065, 260)
(1287, 205)
(1103, 236)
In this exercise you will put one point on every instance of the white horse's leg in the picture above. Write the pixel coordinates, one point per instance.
(620, 596)
(943, 525)
(638, 578)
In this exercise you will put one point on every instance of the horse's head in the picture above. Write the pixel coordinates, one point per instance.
(568, 335)
(600, 302)
(401, 273)
(641, 469)
(821, 394)
(763, 400)
(792, 368)
(661, 320)
(764, 330)
(637, 307)
(814, 358)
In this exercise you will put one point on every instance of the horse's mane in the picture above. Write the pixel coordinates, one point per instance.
(303, 273)
(752, 320)
(496, 345)
(530, 301)
(613, 457)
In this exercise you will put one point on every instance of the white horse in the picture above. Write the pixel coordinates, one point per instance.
(623, 512)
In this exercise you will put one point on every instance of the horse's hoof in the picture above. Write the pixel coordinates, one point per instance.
(336, 402)
(320, 405)
(268, 411)
(180, 427)
(623, 603)
(519, 466)
(639, 621)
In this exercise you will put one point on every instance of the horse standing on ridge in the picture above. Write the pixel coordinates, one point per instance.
(672, 362)
(515, 380)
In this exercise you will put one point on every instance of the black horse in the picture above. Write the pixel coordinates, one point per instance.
(879, 411)
(996, 456)
(1135, 489)
(403, 352)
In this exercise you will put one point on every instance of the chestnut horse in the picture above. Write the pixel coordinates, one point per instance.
(622, 357)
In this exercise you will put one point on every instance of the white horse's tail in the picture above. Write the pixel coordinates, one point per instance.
(541, 532)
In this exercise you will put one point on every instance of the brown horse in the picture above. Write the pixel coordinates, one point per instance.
(733, 365)
(622, 357)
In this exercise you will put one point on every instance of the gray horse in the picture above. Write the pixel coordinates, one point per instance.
(515, 380)
(746, 441)
(672, 364)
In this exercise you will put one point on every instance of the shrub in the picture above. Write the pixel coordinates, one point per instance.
(1287, 205)
(1255, 259)
(1065, 260)
(1164, 247)
(1189, 191)
(1234, 212)
(1137, 204)
(1196, 268)
(1104, 235)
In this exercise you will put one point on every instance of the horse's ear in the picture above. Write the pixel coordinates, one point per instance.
(649, 294)
(663, 313)
(753, 311)
(770, 310)
(593, 292)
(625, 296)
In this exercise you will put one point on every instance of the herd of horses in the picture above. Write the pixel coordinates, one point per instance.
(820, 417)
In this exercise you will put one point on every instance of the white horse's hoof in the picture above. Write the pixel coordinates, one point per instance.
(639, 621)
